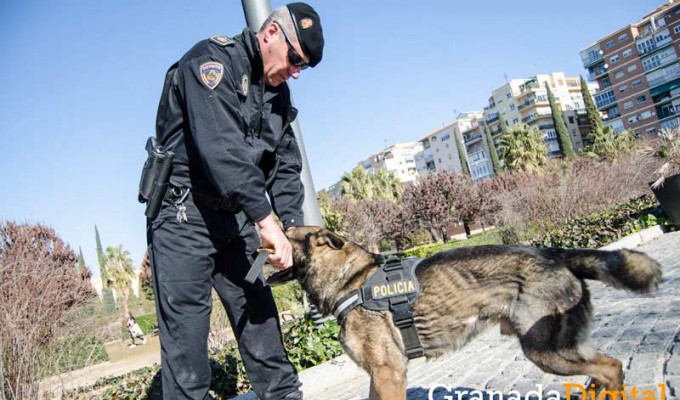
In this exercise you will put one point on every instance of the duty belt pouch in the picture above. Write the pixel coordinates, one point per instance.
(155, 177)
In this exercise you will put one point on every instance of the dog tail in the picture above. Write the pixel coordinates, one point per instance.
(623, 269)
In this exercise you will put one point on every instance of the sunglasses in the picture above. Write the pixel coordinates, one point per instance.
(293, 57)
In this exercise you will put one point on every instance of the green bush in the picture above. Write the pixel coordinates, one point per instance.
(488, 237)
(309, 345)
(601, 228)
(76, 352)
(288, 296)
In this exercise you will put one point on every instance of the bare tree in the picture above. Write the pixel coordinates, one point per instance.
(39, 283)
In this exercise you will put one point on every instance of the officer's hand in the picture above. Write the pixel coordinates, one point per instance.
(272, 236)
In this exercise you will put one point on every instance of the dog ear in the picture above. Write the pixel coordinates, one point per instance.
(330, 239)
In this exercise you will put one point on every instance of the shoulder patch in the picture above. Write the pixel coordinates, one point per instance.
(211, 74)
(222, 40)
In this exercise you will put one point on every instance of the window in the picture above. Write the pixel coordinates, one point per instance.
(609, 44)
(508, 95)
(652, 130)
(623, 88)
(627, 105)
(618, 75)
(645, 115)
(651, 62)
(632, 67)
(605, 82)
(641, 99)
(632, 119)
(571, 119)
(627, 53)
(515, 120)
(623, 37)
(512, 107)
(676, 29)
(614, 58)
(638, 82)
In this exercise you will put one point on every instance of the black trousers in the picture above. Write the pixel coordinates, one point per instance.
(213, 249)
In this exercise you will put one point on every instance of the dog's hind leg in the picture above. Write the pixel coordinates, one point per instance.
(557, 350)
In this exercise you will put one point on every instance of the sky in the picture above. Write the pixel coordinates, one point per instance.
(80, 82)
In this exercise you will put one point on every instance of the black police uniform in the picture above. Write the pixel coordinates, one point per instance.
(228, 138)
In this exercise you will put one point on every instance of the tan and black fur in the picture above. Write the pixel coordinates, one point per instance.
(538, 295)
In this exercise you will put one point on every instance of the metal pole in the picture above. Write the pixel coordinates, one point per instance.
(256, 12)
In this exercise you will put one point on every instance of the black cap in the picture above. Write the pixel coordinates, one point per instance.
(308, 30)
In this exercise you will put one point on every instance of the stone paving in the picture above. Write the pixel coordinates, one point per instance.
(643, 331)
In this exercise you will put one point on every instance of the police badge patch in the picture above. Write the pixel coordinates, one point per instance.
(211, 74)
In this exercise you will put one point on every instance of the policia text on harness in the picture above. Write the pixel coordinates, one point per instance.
(392, 287)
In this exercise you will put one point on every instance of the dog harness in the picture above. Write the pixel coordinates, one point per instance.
(392, 287)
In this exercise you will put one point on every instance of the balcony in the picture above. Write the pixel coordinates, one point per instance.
(670, 124)
(531, 103)
(492, 119)
(605, 99)
(664, 79)
(592, 59)
(472, 138)
(666, 112)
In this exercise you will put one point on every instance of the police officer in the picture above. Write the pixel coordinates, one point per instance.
(225, 111)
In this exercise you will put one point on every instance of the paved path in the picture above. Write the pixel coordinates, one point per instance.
(643, 331)
(130, 359)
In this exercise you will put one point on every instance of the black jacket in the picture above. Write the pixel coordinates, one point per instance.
(229, 136)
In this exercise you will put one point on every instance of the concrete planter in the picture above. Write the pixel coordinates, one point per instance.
(669, 197)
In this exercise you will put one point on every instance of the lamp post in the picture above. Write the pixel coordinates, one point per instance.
(256, 12)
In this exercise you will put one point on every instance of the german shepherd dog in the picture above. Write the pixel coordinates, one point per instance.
(538, 295)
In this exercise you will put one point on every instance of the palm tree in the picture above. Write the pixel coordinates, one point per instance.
(361, 185)
(523, 149)
(119, 273)
(386, 185)
(356, 185)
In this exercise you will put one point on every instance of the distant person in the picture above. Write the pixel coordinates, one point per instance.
(225, 112)
(134, 329)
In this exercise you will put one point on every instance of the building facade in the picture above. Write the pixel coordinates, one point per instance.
(638, 72)
(526, 101)
(398, 159)
(440, 152)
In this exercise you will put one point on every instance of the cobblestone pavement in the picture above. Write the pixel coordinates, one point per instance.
(643, 331)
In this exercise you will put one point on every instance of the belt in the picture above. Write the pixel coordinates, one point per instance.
(214, 202)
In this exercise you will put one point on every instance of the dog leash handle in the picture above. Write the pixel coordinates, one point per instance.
(257, 265)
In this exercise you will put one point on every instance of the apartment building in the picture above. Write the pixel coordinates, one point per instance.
(398, 158)
(440, 151)
(439, 146)
(526, 101)
(638, 72)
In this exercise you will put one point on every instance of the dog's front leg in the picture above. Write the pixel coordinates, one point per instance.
(388, 383)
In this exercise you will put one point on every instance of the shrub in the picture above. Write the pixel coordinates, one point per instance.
(601, 228)
(569, 190)
(288, 296)
(489, 237)
(40, 285)
(78, 351)
(309, 345)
